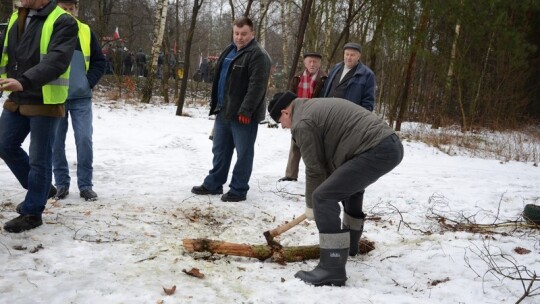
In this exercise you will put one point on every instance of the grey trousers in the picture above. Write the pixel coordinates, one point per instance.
(348, 182)
(293, 162)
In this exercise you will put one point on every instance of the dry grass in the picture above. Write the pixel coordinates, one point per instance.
(517, 145)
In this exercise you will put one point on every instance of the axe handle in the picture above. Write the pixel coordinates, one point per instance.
(280, 229)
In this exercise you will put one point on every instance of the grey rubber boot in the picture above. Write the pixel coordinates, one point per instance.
(355, 227)
(333, 257)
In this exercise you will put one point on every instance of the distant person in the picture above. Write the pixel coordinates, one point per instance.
(128, 63)
(140, 59)
(238, 92)
(307, 84)
(351, 79)
(345, 149)
(203, 67)
(34, 70)
(87, 68)
(161, 59)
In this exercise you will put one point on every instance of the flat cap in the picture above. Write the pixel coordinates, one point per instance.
(312, 54)
(279, 102)
(353, 45)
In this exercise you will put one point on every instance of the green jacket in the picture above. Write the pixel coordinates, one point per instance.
(331, 131)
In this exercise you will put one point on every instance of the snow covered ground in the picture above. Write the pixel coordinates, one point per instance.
(127, 246)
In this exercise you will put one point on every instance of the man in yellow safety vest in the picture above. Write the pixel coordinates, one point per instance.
(34, 69)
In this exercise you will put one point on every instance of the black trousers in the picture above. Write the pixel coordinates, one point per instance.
(348, 182)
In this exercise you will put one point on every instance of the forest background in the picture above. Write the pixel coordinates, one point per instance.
(470, 64)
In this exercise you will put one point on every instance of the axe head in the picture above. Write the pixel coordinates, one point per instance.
(270, 240)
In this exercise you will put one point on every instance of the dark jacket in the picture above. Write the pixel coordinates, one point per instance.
(81, 81)
(319, 83)
(245, 87)
(330, 132)
(358, 85)
(24, 56)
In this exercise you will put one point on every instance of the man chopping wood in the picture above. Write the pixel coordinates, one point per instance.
(345, 149)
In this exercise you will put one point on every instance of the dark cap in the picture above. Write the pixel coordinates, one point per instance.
(279, 102)
(312, 54)
(67, 1)
(353, 45)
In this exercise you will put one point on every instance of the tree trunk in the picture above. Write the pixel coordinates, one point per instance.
(248, 8)
(263, 252)
(423, 23)
(351, 17)
(304, 18)
(159, 30)
(187, 53)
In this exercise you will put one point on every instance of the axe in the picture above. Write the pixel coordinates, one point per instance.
(270, 234)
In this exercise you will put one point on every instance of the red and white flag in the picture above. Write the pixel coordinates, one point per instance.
(116, 35)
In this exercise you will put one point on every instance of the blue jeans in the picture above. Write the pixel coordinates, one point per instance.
(33, 170)
(228, 136)
(81, 120)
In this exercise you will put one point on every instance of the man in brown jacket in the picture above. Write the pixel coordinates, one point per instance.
(345, 149)
(307, 84)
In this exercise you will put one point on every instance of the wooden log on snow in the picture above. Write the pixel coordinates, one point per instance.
(263, 252)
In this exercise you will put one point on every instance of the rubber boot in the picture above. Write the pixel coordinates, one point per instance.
(355, 227)
(333, 257)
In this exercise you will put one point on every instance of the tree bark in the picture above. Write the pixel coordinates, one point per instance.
(423, 23)
(187, 53)
(159, 30)
(300, 39)
(263, 252)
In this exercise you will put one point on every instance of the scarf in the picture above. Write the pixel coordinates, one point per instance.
(306, 86)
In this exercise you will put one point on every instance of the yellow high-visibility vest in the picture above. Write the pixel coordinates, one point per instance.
(85, 38)
(56, 91)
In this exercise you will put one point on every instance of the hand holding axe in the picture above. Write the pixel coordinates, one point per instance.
(270, 234)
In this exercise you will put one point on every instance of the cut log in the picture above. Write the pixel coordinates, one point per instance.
(263, 252)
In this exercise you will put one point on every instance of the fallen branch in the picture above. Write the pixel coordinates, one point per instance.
(263, 252)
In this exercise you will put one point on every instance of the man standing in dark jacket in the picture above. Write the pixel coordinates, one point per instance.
(238, 92)
(34, 68)
(351, 79)
(87, 67)
(345, 148)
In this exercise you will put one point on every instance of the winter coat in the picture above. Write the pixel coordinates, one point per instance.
(357, 86)
(319, 83)
(331, 131)
(25, 63)
(245, 87)
(81, 81)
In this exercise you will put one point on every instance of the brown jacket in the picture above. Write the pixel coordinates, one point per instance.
(319, 83)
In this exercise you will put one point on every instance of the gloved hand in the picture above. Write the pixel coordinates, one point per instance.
(244, 119)
(309, 214)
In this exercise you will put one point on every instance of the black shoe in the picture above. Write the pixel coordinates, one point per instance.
(23, 223)
(229, 197)
(88, 195)
(62, 192)
(52, 192)
(201, 190)
(287, 179)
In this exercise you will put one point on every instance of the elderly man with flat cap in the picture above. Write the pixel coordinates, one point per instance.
(345, 149)
(307, 84)
(351, 79)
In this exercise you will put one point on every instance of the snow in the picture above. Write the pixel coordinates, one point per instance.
(127, 246)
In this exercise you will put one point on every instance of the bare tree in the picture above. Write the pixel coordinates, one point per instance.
(183, 86)
(306, 9)
(159, 29)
